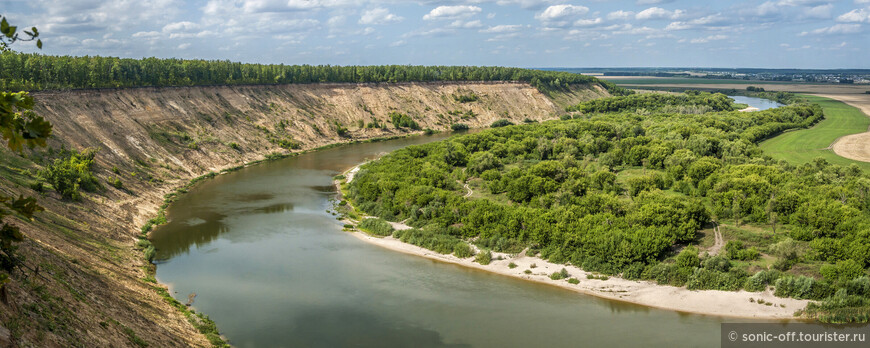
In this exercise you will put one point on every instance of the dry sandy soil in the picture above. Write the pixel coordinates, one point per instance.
(89, 291)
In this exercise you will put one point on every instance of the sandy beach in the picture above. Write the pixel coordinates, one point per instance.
(738, 304)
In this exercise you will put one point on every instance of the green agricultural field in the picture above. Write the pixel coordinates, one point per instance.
(804, 145)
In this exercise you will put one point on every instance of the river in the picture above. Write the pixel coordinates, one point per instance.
(760, 103)
(273, 268)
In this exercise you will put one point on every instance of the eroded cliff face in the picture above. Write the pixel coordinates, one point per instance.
(90, 289)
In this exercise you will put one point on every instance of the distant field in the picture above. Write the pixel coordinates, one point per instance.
(804, 145)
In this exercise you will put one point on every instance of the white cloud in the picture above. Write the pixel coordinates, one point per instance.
(452, 12)
(708, 39)
(180, 26)
(183, 46)
(858, 15)
(834, 29)
(559, 12)
(652, 2)
(819, 12)
(588, 22)
(659, 13)
(460, 24)
(697, 22)
(378, 16)
(622, 15)
(504, 28)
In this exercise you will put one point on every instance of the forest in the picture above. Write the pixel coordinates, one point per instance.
(20, 71)
(624, 182)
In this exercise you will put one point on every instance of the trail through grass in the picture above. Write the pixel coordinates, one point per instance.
(804, 145)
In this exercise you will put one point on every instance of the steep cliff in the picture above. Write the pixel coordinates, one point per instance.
(92, 288)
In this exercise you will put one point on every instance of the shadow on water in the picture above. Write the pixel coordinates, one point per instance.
(341, 327)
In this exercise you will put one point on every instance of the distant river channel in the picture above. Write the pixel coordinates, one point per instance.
(760, 103)
(273, 268)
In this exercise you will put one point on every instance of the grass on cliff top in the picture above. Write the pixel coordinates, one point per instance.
(802, 146)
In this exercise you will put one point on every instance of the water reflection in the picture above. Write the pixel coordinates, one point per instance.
(272, 268)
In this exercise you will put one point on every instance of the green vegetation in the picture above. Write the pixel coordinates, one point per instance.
(501, 123)
(377, 226)
(804, 146)
(615, 193)
(465, 96)
(71, 172)
(560, 275)
(483, 257)
(459, 127)
(690, 102)
(403, 121)
(38, 72)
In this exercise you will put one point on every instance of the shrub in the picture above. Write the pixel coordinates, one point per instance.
(484, 257)
(116, 183)
(717, 263)
(459, 127)
(462, 250)
(842, 272)
(735, 250)
(573, 281)
(377, 226)
(528, 271)
(235, 146)
(688, 258)
(760, 280)
(512, 265)
(501, 123)
(70, 173)
(559, 275)
(403, 121)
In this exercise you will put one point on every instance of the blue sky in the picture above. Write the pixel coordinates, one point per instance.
(524, 33)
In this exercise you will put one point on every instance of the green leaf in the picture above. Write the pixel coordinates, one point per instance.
(39, 44)
(4, 27)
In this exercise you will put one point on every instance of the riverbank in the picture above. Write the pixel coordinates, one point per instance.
(736, 304)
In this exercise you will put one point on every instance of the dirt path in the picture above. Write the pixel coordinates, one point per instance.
(718, 241)
(470, 192)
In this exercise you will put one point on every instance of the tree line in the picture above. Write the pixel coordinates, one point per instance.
(40, 72)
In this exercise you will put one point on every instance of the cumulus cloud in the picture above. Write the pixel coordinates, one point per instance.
(504, 28)
(708, 39)
(452, 12)
(703, 22)
(659, 13)
(378, 16)
(561, 12)
(858, 15)
(621, 15)
(834, 29)
(588, 22)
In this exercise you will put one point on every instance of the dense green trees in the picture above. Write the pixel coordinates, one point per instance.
(37, 72)
(615, 193)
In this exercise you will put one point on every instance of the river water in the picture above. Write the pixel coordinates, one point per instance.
(760, 103)
(272, 268)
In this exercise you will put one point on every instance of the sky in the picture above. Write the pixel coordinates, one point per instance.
(521, 33)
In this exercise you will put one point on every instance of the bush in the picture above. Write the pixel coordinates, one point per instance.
(459, 127)
(735, 250)
(573, 281)
(116, 183)
(501, 123)
(560, 275)
(688, 258)
(842, 272)
(462, 250)
(377, 226)
(70, 173)
(759, 281)
(528, 271)
(512, 265)
(484, 257)
(802, 288)
(403, 121)
(235, 146)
